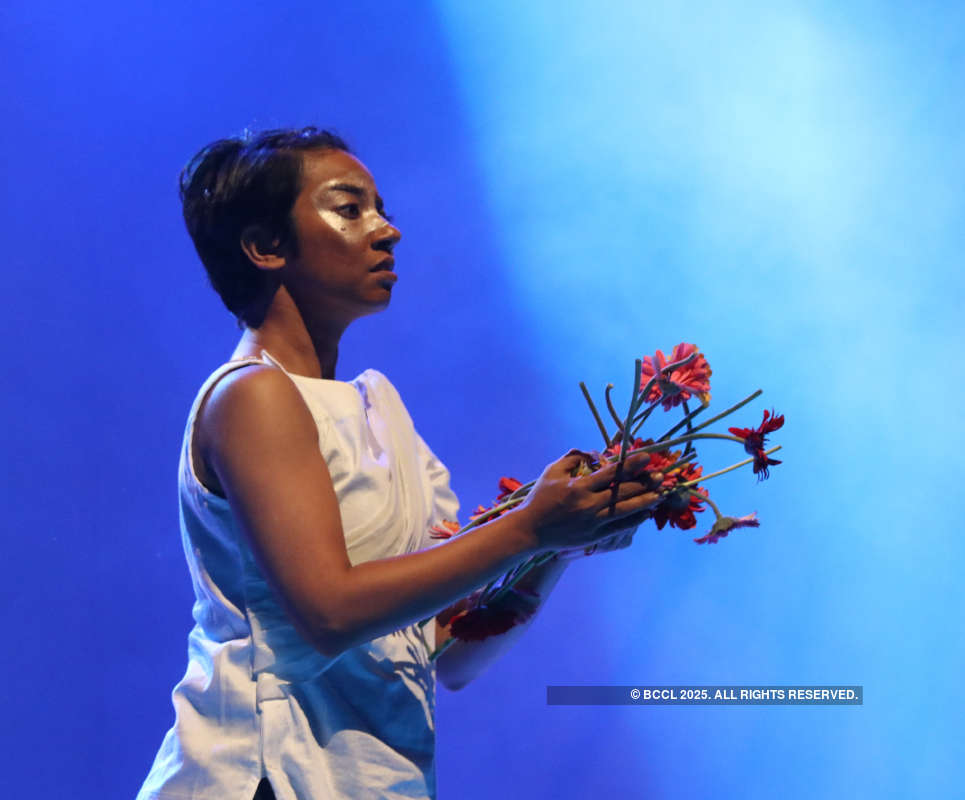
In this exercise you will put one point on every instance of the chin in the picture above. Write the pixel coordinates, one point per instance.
(375, 306)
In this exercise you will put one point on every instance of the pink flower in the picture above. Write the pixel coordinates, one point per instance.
(679, 384)
(725, 525)
(754, 440)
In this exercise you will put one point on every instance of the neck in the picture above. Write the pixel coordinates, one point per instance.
(306, 344)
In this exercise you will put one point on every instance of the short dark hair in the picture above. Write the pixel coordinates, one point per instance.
(252, 179)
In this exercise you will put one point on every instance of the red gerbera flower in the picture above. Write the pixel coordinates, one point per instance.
(506, 487)
(444, 530)
(476, 624)
(680, 505)
(725, 525)
(754, 440)
(659, 460)
(679, 384)
(480, 510)
(613, 451)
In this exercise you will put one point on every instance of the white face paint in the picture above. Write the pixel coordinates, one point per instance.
(345, 242)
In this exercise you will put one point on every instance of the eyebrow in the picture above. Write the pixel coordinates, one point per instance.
(358, 191)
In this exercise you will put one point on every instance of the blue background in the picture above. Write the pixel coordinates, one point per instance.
(578, 185)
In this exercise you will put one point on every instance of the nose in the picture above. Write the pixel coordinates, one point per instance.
(387, 239)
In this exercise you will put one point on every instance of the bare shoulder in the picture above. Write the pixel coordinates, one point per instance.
(248, 408)
(252, 390)
(262, 448)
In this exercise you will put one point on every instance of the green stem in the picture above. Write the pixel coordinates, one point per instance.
(522, 491)
(596, 414)
(723, 414)
(711, 503)
(441, 648)
(513, 577)
(625, 440)
(638, 422)
(685, 458)
(508, 578)
(684, 421)
(490, 513)
(690, 428)
(612, 410)
(536, 561)
(510, 502)
(732, 467)
(687, 437)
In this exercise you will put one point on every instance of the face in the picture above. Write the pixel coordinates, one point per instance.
(344, 265)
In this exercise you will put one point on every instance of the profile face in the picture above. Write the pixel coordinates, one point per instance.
(344, 265)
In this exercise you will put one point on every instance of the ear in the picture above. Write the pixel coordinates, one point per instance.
(263, 250)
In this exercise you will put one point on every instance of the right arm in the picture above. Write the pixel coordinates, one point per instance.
(261, 441)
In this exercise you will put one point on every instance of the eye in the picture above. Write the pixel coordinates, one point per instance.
(349, 210)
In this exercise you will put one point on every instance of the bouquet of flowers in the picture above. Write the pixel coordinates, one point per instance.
(659, 381)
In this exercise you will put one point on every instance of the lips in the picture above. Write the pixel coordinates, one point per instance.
(384, 270)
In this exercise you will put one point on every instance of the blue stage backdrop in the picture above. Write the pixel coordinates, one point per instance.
(577, 185)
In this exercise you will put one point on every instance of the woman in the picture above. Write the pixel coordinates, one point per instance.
(306, 504)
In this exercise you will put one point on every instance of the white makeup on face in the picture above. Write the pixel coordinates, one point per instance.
(340, 201)
(345, 242)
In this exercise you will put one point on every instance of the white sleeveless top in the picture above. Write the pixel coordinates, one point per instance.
(257, 699)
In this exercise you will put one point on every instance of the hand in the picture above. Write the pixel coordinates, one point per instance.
(569, 512)
(618, 541)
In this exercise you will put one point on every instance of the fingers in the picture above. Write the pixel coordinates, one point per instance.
(566, 464)
(603, 477)
(628, 508)
(621, 491)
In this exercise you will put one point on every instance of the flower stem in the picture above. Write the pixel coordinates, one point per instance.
(511, 579)
(625, 440)
(536, 561)
(685, 421)
(723, 414)
(638, 422)
(522, 491)
(690, 428)
(732, 467)
(490, 513)
(687, 437)
(442, 648)
(596, 414)
(711, 503)
(612, 410)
